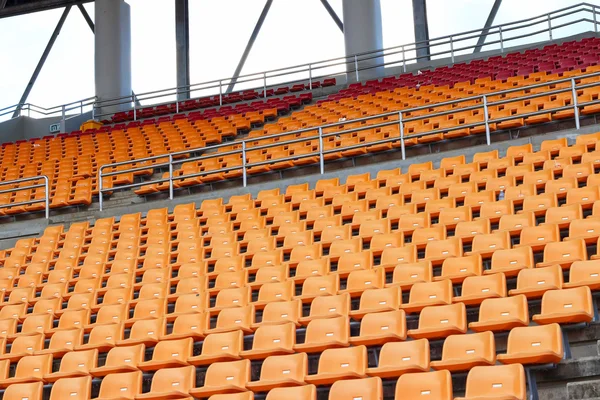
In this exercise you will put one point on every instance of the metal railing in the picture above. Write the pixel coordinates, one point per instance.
(45, 185)
(65, 111)
(395, 118)
(450, 46)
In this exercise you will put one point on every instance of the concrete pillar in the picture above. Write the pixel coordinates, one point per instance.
(182, 43)
(362, 33)
(421, 29)
(112, 56)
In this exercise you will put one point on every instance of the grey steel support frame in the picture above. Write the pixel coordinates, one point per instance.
(42, 61)
(253, 36)
(87, 17)
(486, 27)
(333, 15)
(421, 27)
(182, 46)
(2, 4)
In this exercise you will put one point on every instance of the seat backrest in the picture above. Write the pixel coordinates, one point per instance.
(235, 373)
(431, 291)
(381, 298)
(533, 278)
(568, 301)
(220, 343)
(34, 366)
(520, 257)
(504, 309)
(584, 271)
(29, 391)
(342, 360)
(27, 344)
(74, 319)
(493, 285)
(476, 346)
(166, 379)
(393, 256)
(321, 285)
(79, 361)
(235, 297)
(269, 337)
(535, 340)
(444, 248)
(106, 334)
(37, 324)
(324, 330)
(325, 306)
(366, 279)
(540, 235)
(439, 317)
(306, 392)
(66, 339)
(347, 247)
(276, 291)
(123, 385)
(235, 318)
(148, 329)
(281, 312)
(436, 385)
(126, 355)
(560, 252)
(111, 314)
(293, 366)
(180, 350)
(365, 389)
(497, 380)
(400, 354)
(471, 264)
(72, 389)
(380, 323)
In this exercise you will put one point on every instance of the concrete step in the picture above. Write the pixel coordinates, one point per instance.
(585, 390)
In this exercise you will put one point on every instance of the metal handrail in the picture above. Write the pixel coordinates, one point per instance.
(359, 58)
(45, 185)
(401, 117)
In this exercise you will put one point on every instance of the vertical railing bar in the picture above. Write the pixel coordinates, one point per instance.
(321, 157)
(487, 121)
(220, 93)
(575, 103)
(403, 60)
(100, 199)
(401, 128)
(170, 177)
(356, 68)
(549, 27)
(309, 77)
(452, 49)
(244, 173)
(265, 85)
(501, 39)
(47, 199)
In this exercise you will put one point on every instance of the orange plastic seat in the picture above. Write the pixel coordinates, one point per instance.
(436, 322)
(120, 360)
(436, 385)
(325, 333)
(584, 273)
(126, 385)
(30, 391)
(534, 282)
(563, 216)
(171, 383)
(30, 369)
(281, 371)
(280, 313)
(324, 307)
(220, 347)
(366, 389)
(74, 364)
(271, 340)
(423, 294)
(463, 352)
(502, 314)
(224, 378)
(538, 204)
(393, 256)
(398, 358)
(534, 345)
(586, 229)
(340, 363)
(169, 354)
(72, 388)
(511, 262)
(315, 286)
(458, 268)
(496, 382)
(381, 327)
(406, 275)
(438, 251)
(24, 346)
(378, 300)
(306, 392)
(566, 306)
(564, 253)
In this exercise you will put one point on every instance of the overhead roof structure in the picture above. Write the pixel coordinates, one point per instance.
(11, 8)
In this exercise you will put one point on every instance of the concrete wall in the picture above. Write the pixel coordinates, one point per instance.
(25, 128)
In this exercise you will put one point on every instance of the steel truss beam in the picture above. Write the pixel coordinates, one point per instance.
(333, 14)
(182, 46)
(86, 16)
(486, 27)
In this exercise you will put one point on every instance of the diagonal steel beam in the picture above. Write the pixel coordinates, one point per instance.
(486, 27)
(86, 16)
(333, 14)
(182, 47)
(255, 32)
(40, 64)
(2, 4)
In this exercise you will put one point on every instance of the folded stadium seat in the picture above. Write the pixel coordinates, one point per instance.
(588, 140)
(219, 347)
(563, 216)
(514, 224)
(436, 322)
(537, 178)
(175, 383)
(281, 371)
(564, 253)
(280, 313)
(377, 300)
(500, 165)
(463, 352)
(32, 325)
(436, 385)
(74, 364)
(229, 280)
(534, 282)
(451, 217)
(147, 331)
(366, 389)
(73, 388)
(123, 385)
(308, 268)
(592, 157)
(315, 286)
(325, 333)
(397, 358)
(520, 171)
(430, 176)
(534, 345)
(24, 346)
(121, 359)
(341, 363)
(537, 237)
(227, 298)
(500, 381)
(30, 369)
(502, 314)
(326, 307)
(438, 251)
(272, 340)
(422, 236)
(361, 281)
(585, 196)
(423, 294)
(511, 262)
(475, 289)
(458, 268)
(584, 273)
(566, 306)
(382, 241)
(406, 275)
(63, 342)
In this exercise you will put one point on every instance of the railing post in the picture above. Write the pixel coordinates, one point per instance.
(170, 177)
(134, 110)
(176, 105)
(549, 27)
(47, 199)
(595, 22)
(265, 85)
(309, 77)
(62, 121)
(321, 156)
(401, 129)
(220, 93)
(81, 107)
(100, 199)
(501, 39)
(487, 121)
(403, 59)
(575, 105)
(452, 49)
(94, 110)
(356, 68)
(244, 174)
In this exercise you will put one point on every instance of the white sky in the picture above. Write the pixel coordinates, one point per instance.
(294, 32)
